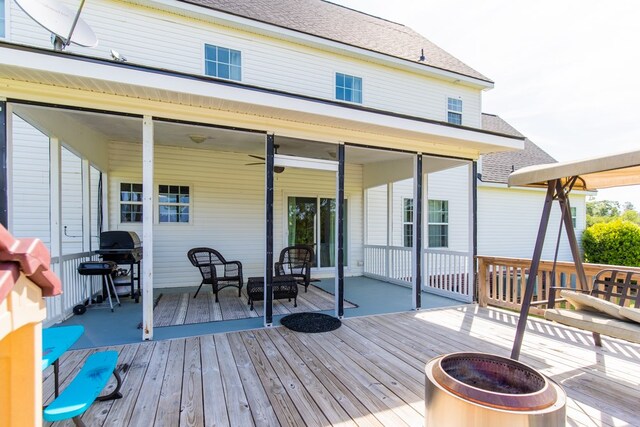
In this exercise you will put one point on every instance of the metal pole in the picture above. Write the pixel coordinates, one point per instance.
(4, 166)
(417, 234)
(268, 271)
(340, 233)
(571, 235)
(533, 271)
(473, 262)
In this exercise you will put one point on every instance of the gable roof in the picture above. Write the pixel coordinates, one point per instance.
(341, 24)
(496, 167)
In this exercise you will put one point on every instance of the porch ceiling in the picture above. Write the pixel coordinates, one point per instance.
(88, 82)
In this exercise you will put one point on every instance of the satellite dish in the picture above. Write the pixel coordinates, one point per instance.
(64, 24)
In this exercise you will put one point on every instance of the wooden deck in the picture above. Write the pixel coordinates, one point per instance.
(368, 372)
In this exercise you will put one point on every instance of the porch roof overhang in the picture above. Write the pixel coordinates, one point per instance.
(614, 170)
(60, 78)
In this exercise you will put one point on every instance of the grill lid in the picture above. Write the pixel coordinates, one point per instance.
(119, 240)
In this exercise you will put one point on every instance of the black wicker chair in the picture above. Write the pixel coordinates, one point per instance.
(296, 261)
(206, 259)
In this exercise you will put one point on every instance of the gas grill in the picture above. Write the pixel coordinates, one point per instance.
(123, 248)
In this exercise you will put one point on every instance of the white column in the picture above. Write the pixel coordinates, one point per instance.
(147, 228)
(55, 217)
(86, 205)
(387, 251)
(105, 202)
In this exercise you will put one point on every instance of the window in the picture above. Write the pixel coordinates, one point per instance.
(173, 203)
(222, 62)
(348, 88)
(454, 111)
(407, 222)
(574, 216)
(438, 223)
(130, 202)
(3, 19)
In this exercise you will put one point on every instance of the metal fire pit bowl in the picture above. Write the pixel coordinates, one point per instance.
(479, 389)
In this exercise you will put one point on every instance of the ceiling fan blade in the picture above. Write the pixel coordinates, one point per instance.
(253, 164)
(256, 157)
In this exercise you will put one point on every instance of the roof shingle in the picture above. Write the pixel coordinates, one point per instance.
(496, 167)
(338, 23)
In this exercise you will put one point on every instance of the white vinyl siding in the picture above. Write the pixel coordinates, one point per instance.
(174, 42)
(509, 220)
(30, 205)
(228, 207)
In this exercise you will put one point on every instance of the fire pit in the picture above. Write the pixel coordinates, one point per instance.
(478, 389)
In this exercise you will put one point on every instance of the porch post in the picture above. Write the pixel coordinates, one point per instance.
(473, 229)
(563, 199)
(418, 254)
(533, 271)
(387, 250)
(55, 202)
(147, 227)
(268, 270)
(86, 205)
(5, 161)
(339, 291)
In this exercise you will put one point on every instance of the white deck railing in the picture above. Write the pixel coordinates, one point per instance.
(445, 272)
(60, 307)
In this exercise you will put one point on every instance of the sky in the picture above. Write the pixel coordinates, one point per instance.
(566, 72)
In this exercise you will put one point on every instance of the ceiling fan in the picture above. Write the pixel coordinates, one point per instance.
(276, 169)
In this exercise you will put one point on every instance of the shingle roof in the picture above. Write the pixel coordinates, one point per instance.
(344, 25)
(496, 167)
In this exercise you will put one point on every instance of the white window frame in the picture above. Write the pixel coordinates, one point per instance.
(335, 88)
(429, 223)
(204, 61)
(158, 204)
(121, 202)
(405, 223)
(574, 216)
(454, 111)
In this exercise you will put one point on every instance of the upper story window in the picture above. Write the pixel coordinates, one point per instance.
(454, 111)
(130, 202)
(3, 19)
(348, 88)
(407, 223)
(438, 223)
(173, 203)
(222, 62)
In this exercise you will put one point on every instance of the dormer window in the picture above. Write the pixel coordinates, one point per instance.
(348, 88)
(222, 62)
(454, 111)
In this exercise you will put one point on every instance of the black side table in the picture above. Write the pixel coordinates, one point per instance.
(283, 287)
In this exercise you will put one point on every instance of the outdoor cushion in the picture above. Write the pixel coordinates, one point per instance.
(587, 302)
(630, 313)
(595, 322)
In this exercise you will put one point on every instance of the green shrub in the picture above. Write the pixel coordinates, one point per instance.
(616, 243)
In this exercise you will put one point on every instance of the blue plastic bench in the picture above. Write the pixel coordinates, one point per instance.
(76, 398)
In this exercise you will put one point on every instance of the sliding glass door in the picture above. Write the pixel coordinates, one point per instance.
(311, 221)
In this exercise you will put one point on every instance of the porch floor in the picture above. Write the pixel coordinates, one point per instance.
(368, 372)
(104, 328)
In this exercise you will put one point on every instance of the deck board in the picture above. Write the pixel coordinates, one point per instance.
(367, 373)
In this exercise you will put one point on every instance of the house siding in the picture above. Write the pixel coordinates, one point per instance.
(171, 41)
(227, 210)
(509, 220)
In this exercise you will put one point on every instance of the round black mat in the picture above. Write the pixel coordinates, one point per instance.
(310, 322)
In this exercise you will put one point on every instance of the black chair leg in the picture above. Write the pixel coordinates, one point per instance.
(198, 290)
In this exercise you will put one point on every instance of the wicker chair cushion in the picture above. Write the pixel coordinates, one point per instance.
(587, 302)
(630, 313)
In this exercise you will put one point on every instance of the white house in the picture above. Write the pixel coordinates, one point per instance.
(162, 144)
